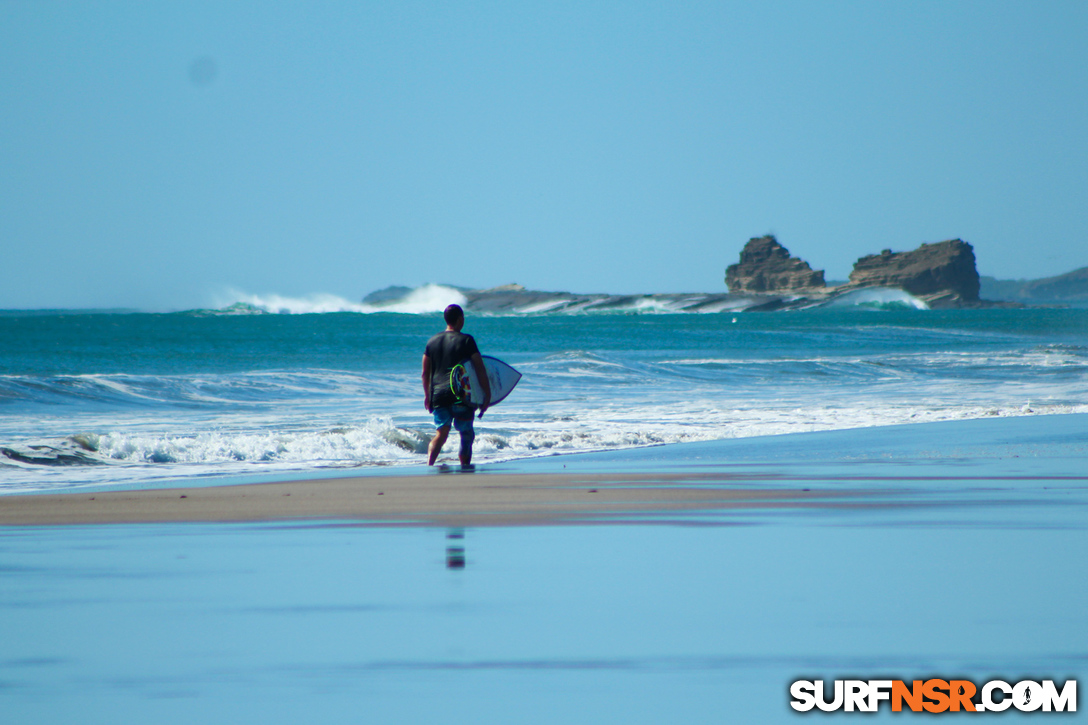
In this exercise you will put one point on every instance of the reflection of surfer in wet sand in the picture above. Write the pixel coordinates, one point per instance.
(446, 351)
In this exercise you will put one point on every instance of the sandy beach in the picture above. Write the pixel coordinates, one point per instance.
(456, 499)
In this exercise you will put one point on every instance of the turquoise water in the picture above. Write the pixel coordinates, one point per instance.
(95, 398)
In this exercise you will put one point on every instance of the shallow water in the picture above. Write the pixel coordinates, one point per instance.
(978, 572)
(588, 624)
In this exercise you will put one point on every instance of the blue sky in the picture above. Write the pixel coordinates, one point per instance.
(155, 155)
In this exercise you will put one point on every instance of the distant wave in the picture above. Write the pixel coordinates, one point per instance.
(514, 300)
(279, 304)
(877, 297)
(421, 300)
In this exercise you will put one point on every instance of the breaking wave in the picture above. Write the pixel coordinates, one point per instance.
(421, 300)
(877, 298)
(93, 429)
(514, 300)
(131, 455)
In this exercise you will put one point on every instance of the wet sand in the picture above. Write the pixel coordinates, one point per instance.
(455, 499)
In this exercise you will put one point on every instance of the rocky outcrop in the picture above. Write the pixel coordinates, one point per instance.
(942, 274)
(766, 266)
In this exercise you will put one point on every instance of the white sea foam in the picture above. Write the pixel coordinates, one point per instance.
(649, 304)
(724, 305)
(428, 298)
(425, 299)
(372, 442)
(877, 297)
(433, 298)
(291, 305)
(140, 447)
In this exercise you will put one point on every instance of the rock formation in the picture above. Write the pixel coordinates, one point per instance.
(766, 266)
(942, 274)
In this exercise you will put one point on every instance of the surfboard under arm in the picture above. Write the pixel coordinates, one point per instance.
(501, 377)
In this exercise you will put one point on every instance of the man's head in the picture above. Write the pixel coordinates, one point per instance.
(454, 316)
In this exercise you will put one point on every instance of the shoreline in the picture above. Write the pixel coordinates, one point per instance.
(954, 463)
(485, 499)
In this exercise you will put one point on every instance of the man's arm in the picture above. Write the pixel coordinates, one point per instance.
(481, 375)
(427, 383)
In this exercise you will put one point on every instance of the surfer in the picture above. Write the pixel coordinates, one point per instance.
(444, 352)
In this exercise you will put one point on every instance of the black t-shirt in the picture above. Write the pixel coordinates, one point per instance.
(446, 350)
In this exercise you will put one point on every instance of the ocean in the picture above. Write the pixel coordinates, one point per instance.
(937, 550)
(90, 398)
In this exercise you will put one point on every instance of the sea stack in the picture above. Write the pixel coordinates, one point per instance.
(766, 267)
(942, 274)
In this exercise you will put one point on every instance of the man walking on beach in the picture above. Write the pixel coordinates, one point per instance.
(444, 352)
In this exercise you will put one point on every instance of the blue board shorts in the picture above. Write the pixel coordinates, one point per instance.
(461, 417)
(458, 413)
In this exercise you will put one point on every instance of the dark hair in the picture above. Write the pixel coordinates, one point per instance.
(453, 313)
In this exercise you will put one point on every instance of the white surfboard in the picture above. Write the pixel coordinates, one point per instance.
(466, 385)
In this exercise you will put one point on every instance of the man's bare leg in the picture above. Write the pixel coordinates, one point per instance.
(435, 446)
(468, 437)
